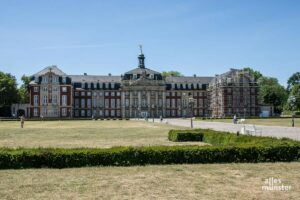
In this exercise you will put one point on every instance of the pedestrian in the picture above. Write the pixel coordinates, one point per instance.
(22, 120)
(293, 121)
(234, 119)
(161, 118)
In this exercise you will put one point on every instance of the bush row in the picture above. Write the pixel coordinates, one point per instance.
(127, 156)
(226, 138)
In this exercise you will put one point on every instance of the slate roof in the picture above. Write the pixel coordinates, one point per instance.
(141, 70)
(53, 69)
(95, 78)
(188, 79)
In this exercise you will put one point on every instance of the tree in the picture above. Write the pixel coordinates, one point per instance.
(8, 93)
(252, 72)
(23, 90)
(293, 102)
(272, 93)
(171, 73)
(293, 80)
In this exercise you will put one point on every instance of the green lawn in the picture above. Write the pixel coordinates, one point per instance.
(70, 134)
(264, 121)
(201, 181)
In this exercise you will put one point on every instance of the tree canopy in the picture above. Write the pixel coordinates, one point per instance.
(23, 90)
(171, 73)
(8, 93)
(252, 72)
(293, 80)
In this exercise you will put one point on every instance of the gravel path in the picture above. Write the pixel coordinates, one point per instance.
(274, 131)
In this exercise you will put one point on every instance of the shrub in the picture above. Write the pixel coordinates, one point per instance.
(127, 156)
(177, 136)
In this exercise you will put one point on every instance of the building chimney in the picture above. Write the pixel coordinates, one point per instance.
(85, 74)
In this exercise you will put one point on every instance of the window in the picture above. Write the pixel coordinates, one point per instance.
(89, 103)
(89, 94)
(112, 94)
(160, 102)
(94, 103)
(100, 94)
(44, 113)
(64, 112)
(55, 79)
(126, 102)
(54, 99)
(106, 94)
(82, 103)
(118, 94)
(76, 113)
(118, 103)
(76, 103)
(35, 112)
(36, 89)
(106, 113)
(45, 79)
(89, 113)
(45, 89)
(82, 113)
(76, 94)
(100, 112)
(112, 113)
(45, 100)
(94, 113)
(94, 94)
(36, 100)
(152, 76)
(112, 103)
(64, 100)
(134, 76)
(64, 80)
(82, 93)
(112, 85)
(55, 89)
(64, 89)
(106, 103)
(173, 103)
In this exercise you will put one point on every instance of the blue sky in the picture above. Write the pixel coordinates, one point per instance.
(192, 37)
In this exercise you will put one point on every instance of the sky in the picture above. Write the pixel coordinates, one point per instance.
(190, 36)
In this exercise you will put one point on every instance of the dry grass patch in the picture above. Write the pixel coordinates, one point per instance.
(70, 134)
(210, 181)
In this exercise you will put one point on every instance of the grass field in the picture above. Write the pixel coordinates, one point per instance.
(206, 181)
(69, 134)
(267, 121)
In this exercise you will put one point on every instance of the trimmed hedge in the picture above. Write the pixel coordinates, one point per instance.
(128, 156)
(225, 148)
(226, 139)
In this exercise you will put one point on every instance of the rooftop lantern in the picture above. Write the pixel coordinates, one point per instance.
(141, 58)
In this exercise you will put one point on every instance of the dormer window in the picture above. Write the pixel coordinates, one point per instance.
(151, 76)
(45, 79)
(112, 85)
(64, 80)
(134, 76)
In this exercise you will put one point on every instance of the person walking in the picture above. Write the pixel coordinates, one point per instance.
(234, 119)
(293, 121)
(22, 120)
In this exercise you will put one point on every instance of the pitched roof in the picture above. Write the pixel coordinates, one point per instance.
(188, 79)
(95, 78)
(141, 70)
(53, 69)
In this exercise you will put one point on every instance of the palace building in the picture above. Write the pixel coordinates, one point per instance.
(141, 92)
